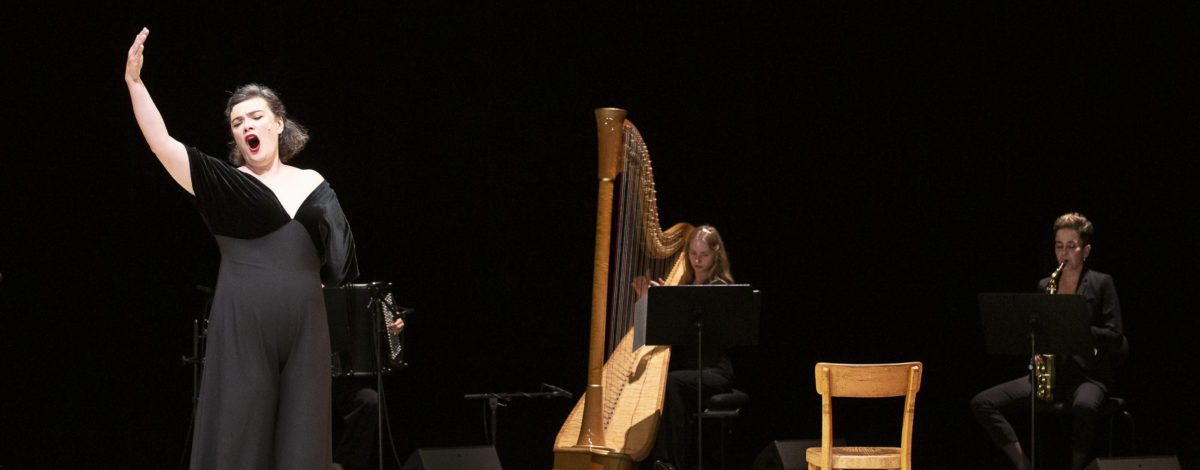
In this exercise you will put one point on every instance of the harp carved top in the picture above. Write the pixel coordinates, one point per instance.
(659, 243)
(609, 124)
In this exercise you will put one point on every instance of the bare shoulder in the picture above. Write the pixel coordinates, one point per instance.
(304, 177)
(311, 176)
(308, 181)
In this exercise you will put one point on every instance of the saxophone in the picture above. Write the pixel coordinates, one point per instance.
(1043, 364)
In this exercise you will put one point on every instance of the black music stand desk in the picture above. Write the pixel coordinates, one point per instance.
(710, 318)
(724, 314)
(1027, 324)
(1031, 324)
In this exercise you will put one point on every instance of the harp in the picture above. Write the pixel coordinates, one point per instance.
(613, 425)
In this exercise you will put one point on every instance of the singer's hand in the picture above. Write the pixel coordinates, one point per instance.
(133, 60)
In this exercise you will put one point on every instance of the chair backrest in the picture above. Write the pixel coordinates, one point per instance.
(868, 381)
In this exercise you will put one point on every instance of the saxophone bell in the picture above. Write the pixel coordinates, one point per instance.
(1043, 364)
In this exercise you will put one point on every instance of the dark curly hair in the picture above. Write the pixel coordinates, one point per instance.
(294, 135)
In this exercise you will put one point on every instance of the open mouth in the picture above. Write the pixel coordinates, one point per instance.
(252, 142)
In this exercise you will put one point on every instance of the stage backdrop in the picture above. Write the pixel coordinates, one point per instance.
(872, 168)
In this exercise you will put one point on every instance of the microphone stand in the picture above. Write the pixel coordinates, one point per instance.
(699, 388)
(1033, 329)
(373, 306)
(494, 398)
(196, 360)
(378, 292)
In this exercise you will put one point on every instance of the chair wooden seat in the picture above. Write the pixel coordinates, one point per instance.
(859, 457)
(865, 381)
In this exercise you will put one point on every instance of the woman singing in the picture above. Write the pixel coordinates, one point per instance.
(264, 397)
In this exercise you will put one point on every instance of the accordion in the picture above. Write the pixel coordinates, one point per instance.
(359, 342)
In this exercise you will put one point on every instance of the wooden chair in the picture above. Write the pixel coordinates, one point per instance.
(865, 381)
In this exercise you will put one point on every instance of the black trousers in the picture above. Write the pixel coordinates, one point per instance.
(355, 416)
(676, 429)
(1085, 399)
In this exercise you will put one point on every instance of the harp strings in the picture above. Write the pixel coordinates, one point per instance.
(632, 255)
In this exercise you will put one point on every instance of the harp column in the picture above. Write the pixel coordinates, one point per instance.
(610, 126)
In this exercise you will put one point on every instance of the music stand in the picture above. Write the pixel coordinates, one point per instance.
(1026, 323)
(730, 313)
(354, 314)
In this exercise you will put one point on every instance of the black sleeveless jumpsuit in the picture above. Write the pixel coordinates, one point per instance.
(264, 396)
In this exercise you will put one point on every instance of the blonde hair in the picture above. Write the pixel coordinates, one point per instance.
(720, 267)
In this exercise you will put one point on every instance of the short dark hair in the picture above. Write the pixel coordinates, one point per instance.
(294, 135)
(1077, 222)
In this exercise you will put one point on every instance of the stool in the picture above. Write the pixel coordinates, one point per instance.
(1115, 407)
(725, 407)
(1112, 408)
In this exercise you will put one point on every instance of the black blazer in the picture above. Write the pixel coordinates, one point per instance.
(1104, 310)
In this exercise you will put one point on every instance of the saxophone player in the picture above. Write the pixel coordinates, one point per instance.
(1082, 381)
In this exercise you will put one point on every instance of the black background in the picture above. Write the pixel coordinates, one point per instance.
(872, 166)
